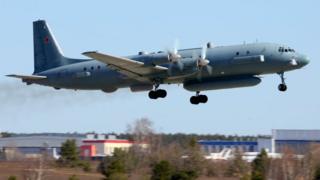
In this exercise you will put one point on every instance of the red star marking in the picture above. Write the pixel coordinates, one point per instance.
(46, 40)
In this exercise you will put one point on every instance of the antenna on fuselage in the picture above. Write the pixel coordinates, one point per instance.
(210, 45)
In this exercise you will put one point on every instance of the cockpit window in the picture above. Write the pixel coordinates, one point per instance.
(283, 49)
(291, 50)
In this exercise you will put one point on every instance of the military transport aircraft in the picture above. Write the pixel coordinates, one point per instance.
(198, 69)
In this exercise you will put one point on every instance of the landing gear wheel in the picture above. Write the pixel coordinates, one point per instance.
(161, 93)
(194, 100)
(198, 98)
(282, 87)
(203, 98)
(153, 95)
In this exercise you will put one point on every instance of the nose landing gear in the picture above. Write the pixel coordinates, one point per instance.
(198, 98)
(282, 87)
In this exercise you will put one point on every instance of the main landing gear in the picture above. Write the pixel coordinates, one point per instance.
(157, 93)
(198, 98)
(282, 87)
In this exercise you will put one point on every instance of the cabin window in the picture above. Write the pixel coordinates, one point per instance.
(281, 49)
(248, 52)
(98, 67)
(84, 69)
(291, 50)
(237, 53)
(92, 67)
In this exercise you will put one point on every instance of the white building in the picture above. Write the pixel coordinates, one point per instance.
(95, 146)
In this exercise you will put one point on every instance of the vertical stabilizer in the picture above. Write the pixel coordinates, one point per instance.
(47, 53)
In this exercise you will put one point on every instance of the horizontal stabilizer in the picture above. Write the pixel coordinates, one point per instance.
(27, 77)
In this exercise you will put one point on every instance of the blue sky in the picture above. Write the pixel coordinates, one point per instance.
(126, 27)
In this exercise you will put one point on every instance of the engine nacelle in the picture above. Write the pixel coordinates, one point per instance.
(155, 59)
(189, 66)
(109, 89)
(221, 83)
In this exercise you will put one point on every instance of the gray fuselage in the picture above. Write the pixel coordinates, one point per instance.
(226, 62)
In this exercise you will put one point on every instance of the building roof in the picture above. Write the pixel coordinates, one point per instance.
(36, 141)
(296, 134)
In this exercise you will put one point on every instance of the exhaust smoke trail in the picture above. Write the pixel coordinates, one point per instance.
(18, 94)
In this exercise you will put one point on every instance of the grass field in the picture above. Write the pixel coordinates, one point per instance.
(29, 170)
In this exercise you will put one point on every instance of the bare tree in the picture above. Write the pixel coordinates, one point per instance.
(141, 129)
(237, 166)
(38, 167)
(288, 167)
(311, 163)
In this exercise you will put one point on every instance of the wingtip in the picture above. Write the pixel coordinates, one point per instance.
(10, 75)
(88, 52)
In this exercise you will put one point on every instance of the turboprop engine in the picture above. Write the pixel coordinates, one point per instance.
(156, 59)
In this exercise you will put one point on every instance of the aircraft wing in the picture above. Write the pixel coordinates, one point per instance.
(27, 77)
(131, 68)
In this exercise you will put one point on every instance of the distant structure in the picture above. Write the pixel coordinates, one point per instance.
(281, 139)
(95, 146)
(296, 140)
(33, 146)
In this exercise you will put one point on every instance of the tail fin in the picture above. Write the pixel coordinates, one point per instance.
(47, 53)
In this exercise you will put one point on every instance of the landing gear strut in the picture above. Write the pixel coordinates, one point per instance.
(198, 98)
(157, 93)
(282, 87)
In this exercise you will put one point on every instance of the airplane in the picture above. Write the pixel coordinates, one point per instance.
(198, 69)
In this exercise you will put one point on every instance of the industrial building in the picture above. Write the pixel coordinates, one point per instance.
(95, 146)
(33, 146)
(92, 146)
(296, 140)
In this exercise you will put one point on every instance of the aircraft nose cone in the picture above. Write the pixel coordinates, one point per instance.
(303, 60)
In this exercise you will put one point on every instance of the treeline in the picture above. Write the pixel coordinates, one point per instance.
(11, 134)
(167, 138)
(183, 138)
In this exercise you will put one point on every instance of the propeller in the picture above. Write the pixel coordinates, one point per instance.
(174, 57)
(203, 62)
